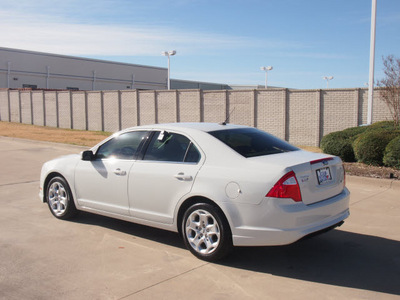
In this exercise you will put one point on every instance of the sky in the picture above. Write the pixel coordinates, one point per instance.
(216, 41)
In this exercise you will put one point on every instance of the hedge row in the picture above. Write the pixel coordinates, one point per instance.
(377, 144)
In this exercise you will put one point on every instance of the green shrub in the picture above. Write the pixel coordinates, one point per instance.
(340, 143)
(353, 132)
(391, 156)
(370, 146)
(336, 143)
(388, 125)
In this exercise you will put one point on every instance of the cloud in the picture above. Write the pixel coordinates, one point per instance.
(57, 34)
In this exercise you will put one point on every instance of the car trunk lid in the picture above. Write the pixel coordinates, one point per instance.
(320, 176)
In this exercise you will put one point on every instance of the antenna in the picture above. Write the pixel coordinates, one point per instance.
(227, 119)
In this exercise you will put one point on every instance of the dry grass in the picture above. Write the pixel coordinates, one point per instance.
(67, 136)
(51, 134)
(310, 148)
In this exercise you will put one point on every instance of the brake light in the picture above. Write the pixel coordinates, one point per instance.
(286, 187)
(317, 161)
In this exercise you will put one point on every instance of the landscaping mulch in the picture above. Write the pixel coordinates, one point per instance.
(359, 169)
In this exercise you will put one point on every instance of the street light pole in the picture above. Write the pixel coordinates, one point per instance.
(327, 78)
(168, 54)
(266, 69)
(371, 63)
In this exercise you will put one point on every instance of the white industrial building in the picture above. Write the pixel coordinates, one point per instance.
(30, 69)
(37, 70)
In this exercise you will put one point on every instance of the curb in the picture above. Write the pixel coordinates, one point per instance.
(387, 183)
(54, 144)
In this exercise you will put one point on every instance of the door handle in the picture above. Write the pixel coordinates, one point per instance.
(119, 172)
(181, 176)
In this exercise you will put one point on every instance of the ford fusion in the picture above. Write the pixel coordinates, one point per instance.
(218, 185)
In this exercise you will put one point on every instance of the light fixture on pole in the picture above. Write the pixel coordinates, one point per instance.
(168, 53)
(327, 78)
(266, 69)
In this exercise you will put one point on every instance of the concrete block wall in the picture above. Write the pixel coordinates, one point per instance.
(189, 105)
(214, 106)
(380, 109)
(50, 106)
(339, 109)
(271, 107)
(38, 108)
(94, 110)
(64, 109)
(26, 107)
(15, 106)
(4, 105)
(79, 110)
(166, 106)
(112, 110)
(301, 117)
(240, 107)
(147, 107)
(129, 109)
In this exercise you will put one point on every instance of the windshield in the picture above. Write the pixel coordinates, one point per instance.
(251, 142)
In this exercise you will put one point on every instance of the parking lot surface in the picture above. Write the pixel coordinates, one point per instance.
(94, 257)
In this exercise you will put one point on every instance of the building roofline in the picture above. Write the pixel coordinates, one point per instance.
(77, 58)
(199, 82)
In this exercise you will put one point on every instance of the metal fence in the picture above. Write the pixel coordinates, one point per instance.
(301, 117)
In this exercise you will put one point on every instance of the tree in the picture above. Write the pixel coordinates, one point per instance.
(390, 84)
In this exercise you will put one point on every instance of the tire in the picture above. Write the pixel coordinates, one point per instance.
(206, 232)
(59, 198)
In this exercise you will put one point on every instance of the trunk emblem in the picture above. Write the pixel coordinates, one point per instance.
(304, 178)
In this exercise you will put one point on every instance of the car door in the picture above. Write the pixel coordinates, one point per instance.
(101, 183)
(164, 175)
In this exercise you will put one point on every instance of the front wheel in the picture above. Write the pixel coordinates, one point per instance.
(206, 233)
(59, 198)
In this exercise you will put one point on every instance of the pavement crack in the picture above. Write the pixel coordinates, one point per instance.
(162, 281)
(21, 182)
(373, 195)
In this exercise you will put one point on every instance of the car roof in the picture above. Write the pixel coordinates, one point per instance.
(200, 126)
(189, 128)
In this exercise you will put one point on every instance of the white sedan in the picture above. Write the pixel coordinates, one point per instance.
(218, 185)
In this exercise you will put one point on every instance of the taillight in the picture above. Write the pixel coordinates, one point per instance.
(286, 187)
(344, 177)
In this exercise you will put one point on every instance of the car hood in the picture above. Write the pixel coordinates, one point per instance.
(68, 157)
(61, 163)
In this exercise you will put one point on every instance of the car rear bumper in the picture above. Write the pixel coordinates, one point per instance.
(281, 221)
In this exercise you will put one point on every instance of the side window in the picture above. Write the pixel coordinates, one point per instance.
(172, 147)
(123, 146)
(192, 155)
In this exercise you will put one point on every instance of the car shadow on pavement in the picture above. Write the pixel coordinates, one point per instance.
(137, 230)
(336, 258)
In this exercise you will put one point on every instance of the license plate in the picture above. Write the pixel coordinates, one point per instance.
(324, 175)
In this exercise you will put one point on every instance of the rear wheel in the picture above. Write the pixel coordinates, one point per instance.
(206, 233)
(59, 198)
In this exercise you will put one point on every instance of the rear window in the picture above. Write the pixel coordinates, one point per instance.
(251, 142)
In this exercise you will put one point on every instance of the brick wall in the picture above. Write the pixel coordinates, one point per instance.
(300, 116)
(270, 107)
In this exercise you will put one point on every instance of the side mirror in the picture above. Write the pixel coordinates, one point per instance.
(87, 155)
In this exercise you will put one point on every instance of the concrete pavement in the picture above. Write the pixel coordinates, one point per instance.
(94, 257)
